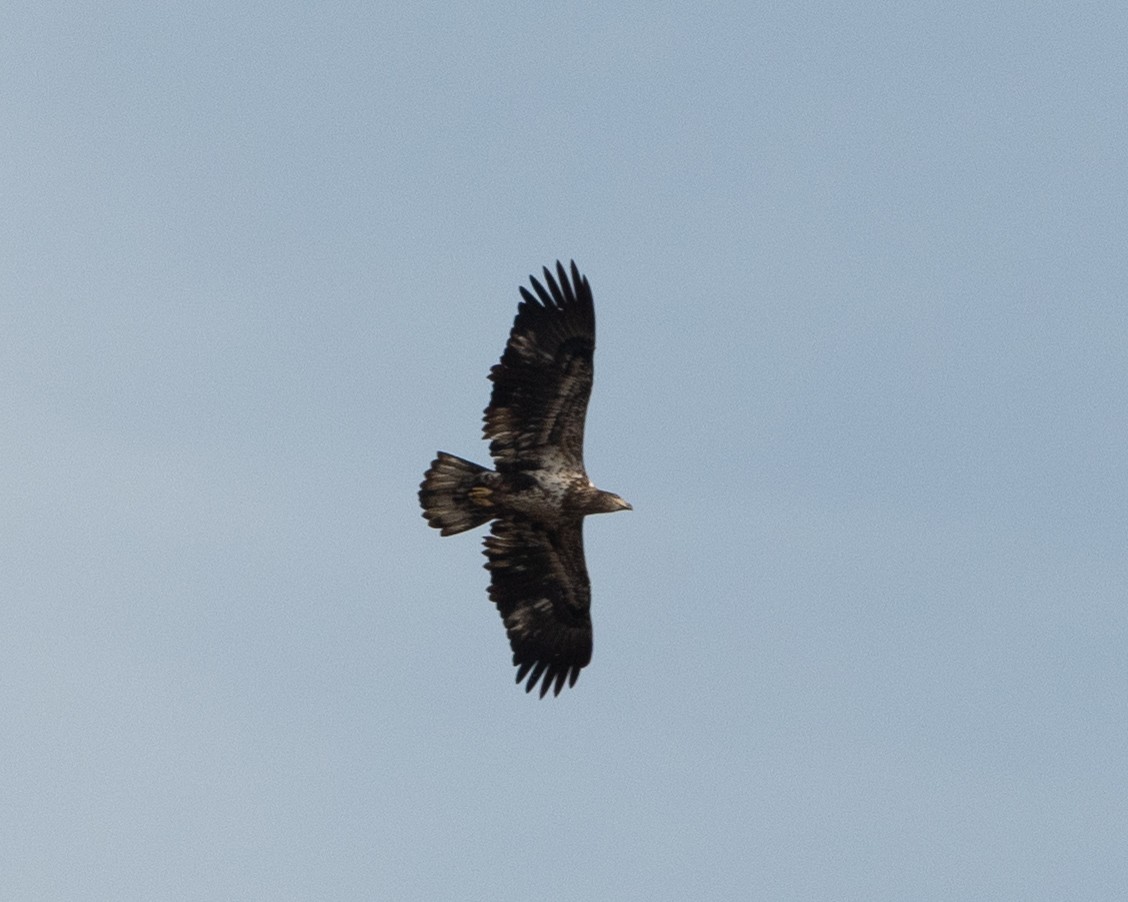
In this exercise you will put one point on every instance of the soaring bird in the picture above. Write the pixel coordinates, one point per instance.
(538, 493)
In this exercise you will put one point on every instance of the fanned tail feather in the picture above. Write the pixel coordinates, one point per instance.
(445, 494)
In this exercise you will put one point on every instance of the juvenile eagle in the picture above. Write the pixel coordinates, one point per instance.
(539, 493)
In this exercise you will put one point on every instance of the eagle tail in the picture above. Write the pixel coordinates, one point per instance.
(454, 495)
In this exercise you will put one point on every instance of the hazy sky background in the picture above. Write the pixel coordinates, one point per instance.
(861, 282)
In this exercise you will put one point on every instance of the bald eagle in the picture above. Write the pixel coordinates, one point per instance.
(538, 493)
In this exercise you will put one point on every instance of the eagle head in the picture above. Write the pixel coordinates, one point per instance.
(608, 503)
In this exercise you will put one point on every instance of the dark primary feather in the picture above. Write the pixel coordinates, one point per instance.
(540, 585)
(543, 382)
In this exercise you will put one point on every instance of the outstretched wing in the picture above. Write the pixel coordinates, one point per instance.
(543, 382)
(539, 582)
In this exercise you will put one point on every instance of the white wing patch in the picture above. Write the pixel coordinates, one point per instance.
(525, 619)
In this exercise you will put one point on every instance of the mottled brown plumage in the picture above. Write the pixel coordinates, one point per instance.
(539, 492)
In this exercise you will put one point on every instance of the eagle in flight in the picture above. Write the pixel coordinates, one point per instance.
(539, 493)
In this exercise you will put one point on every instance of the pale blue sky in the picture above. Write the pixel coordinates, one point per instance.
(860, 277)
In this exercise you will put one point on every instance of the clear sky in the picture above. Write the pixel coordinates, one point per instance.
(860, 274)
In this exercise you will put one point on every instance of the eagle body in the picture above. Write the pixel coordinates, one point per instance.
(538, 492)
(544, 496)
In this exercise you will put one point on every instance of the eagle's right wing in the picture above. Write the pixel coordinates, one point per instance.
(543, 382)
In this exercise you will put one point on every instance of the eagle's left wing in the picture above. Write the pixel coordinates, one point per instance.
(540, 584)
